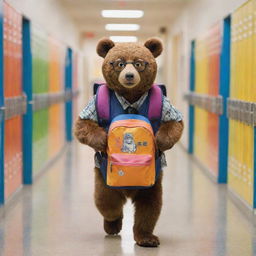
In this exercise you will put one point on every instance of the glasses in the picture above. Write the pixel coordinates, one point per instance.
(119, 65)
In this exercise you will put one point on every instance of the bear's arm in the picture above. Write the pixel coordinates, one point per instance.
(168, 134)
(88, 132)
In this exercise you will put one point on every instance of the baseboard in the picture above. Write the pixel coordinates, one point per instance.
(242, 205)
(50, 162)
(239, 202)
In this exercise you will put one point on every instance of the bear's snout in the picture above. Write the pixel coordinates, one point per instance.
(129, 76)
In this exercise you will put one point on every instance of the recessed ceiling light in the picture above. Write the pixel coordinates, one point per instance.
(122, 39)
(122, 27)
(122, 13)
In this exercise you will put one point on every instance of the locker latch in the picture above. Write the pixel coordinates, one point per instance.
(15, 106)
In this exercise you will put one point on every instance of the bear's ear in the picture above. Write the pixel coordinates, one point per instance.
(155, 46)
(104, 45)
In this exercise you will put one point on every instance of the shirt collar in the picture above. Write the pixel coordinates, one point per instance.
(137, 104)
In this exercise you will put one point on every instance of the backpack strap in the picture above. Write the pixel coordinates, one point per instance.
(155, 103)
(103, 104)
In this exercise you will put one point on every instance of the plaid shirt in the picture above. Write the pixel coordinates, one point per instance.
(169, 112)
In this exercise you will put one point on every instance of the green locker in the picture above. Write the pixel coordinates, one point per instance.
(40, 85)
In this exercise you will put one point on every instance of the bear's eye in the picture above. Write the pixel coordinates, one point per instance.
(137, 64)
(121, 64)
(140, 65)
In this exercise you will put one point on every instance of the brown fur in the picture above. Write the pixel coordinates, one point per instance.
(88, 132)
(147, 202)
(130, 51)
(168, 134)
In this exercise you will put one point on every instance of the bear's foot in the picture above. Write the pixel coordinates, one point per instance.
(113, 227)
(147, 240)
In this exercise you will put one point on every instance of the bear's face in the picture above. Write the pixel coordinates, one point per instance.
(129, 68)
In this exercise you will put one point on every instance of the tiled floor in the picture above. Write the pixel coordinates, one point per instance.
(56, 216)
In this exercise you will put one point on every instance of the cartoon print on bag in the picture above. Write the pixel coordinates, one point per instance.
(129, 145)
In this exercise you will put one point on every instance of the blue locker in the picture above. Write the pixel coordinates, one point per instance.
(68, 89)
(27, 88)
(1, 109)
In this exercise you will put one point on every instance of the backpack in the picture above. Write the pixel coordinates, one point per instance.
(132, 160)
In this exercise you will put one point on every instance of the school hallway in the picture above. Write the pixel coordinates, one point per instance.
(189, 60)
(57, 215)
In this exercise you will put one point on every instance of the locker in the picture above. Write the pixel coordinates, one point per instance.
(201, 86)
(68, 89)
(56, 85)
(40, 85)
(214, 45)
(12, 88)
(75, 86)
(241, 147)
(27, 123)
(2, 196)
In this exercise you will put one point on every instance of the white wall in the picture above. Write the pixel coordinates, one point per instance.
(50, 16)
(193, 21)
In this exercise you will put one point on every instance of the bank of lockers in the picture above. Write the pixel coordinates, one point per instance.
(33, 94)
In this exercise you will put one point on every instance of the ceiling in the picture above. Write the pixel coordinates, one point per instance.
(157, 13)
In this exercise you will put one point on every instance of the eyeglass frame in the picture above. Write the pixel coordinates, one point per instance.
(128, 62)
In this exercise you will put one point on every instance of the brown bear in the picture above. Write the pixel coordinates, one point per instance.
(129, 70)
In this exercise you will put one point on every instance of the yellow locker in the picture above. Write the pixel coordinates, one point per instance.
(240, 173)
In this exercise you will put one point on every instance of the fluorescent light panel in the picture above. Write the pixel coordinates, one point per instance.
(124, 39)
(122, 27)
(122, 13)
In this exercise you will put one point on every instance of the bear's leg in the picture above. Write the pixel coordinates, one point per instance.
(148, 204)
(110, 204)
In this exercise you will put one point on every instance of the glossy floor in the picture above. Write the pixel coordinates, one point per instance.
(56, 216)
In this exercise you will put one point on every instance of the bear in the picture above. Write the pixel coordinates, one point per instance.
(129, 70)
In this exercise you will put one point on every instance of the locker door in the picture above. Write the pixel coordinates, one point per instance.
(191, 107)
(68, 89)
(40, 86)
(56, 111)
(75, 86)
(224, 92)
(12, 88)
(201, 87)
(27, 87)
(1, 109)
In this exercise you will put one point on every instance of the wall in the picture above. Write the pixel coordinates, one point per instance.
(51, 16)
(193, 21)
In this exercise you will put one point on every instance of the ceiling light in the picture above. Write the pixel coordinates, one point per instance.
(122, 39)
(122, 27)
(122, 13)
